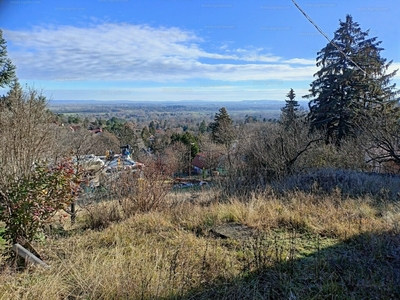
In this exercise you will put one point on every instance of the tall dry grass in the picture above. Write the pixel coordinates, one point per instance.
(298, 244)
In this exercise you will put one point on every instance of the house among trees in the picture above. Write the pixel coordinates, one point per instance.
(209, 161)
(199, 162)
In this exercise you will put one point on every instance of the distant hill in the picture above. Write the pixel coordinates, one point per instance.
(180, 111)
(265, 104)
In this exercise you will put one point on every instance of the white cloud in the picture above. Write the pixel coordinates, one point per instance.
(394, 66)
(126, 52)
(67, 59)
(300, 61)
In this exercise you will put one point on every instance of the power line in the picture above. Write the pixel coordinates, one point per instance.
(329, 40)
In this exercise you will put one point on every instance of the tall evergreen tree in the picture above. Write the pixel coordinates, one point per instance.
(352, 82)
(203, 127)
(7, 69)
(125, 132)
(290, 110)
(187, 139)
(145, 134)
(222, 130)
(152, 127)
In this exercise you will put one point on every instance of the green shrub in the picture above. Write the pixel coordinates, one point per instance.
(32, 200)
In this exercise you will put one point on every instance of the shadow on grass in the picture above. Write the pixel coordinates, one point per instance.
(366, 266)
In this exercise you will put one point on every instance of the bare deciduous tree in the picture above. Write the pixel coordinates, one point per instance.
(176, 155)
(381, 141)
(26, 132)
(269, 151)
(213, 153)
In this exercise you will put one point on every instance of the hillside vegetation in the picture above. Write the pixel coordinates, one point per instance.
(296, 246)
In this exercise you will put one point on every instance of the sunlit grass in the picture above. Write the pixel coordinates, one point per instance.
(2, 241)
(298, 244)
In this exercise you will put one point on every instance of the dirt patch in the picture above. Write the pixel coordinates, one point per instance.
(233, 231)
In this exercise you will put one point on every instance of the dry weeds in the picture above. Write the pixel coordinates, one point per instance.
(304, 246)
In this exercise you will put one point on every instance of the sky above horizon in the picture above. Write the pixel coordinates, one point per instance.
(181, 49)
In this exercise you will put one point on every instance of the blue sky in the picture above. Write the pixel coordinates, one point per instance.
(150, 50)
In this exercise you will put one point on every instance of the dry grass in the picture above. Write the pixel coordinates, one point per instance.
(304, 246)
(351, 183)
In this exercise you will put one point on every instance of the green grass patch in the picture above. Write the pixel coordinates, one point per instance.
(2, 241)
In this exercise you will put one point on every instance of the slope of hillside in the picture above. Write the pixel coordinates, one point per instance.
(296, 246)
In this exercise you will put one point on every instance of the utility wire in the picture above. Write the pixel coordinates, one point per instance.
(329, 40)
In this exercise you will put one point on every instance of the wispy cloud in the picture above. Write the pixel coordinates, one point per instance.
(300, 61)
(393, 67)
(126, 52)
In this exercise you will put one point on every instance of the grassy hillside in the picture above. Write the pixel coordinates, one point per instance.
(293, 246)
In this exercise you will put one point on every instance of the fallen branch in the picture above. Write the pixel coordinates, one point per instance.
(28, 256)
